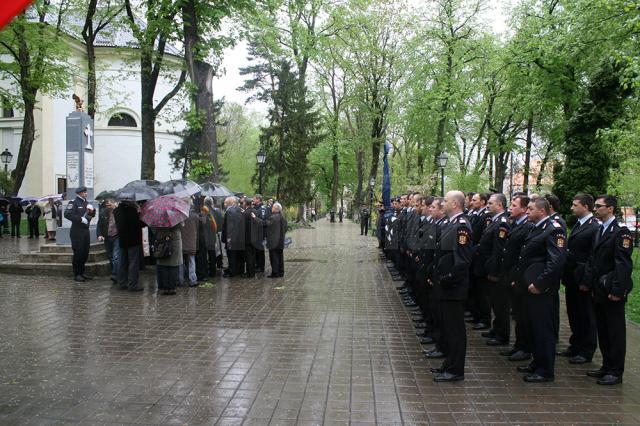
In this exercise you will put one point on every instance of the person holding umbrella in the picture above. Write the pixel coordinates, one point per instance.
(165, 215)
(129, 231)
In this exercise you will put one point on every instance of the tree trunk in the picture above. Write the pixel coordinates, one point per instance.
(26, 142)
(500, 171)
(148, 118)
(527, 155)
(376, 136)
(335, 180)
(543, 165)
(201, 75)
(360, 170)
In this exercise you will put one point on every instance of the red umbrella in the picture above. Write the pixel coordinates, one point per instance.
(165, 212)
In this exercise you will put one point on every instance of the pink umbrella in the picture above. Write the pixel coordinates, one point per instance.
(164, 212)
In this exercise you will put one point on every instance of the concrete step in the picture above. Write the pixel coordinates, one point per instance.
(37, 257)
(53, 248)
(101, 268)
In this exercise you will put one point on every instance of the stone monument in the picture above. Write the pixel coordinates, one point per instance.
(80, 145)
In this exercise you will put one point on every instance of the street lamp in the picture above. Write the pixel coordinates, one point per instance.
(260, 158)
(6, 157)
(442, 163)
(372, 183)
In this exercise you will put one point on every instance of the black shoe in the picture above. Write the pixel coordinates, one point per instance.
(227, 275)
(508, 352)
(435, 354)
(420, 325)
(536, 378)
(448, 377)
(489, 334)
(123, 287)
(272, 276)
(427, 340)
(437, 370)
(259, 270)
(470, 320)
(417, 318)
(579, 359)
(137, 289)
(598, 374)
(497, 342)
(86, 277)
(79, 278)
(400, 287)
(610, 379)
(480, 326)
(114, 280)
(169, 292)
(525, 369)
(520, 356)
(193, 285)
(566, 353)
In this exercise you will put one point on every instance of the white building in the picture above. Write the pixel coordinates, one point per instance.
(117, 134)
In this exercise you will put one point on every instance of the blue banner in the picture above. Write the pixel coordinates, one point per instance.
(386, 178)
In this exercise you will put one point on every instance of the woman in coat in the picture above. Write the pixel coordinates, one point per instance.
(190, 248)
(168, 268)
(49, 214)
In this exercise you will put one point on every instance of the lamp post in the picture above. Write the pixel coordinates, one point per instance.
(442, 163)
(372, 183)
(260, 158)
(6, 157)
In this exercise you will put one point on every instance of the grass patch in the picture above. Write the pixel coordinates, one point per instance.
(633, 303)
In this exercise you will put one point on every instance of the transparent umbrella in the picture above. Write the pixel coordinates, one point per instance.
(210, 189)
(181, 188)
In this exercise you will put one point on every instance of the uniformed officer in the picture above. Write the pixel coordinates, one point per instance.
(486, 266)
(478, 298)
(541, 264)
(582, 321)
(450, 279)
(365, 214)
(80, 213)
(554, 203)
(609, 277)
(519, 228)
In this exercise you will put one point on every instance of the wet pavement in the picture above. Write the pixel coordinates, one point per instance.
(331, 343)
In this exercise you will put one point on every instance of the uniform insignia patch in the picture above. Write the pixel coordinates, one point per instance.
(462, 221)
(560, 241)
(626, 241)
(556, 224)
(503, 233)
(463, 238)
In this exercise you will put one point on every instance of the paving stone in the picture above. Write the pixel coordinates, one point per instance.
(331, 343)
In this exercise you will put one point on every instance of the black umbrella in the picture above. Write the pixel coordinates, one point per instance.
(106, 194)
(144, 183)
(136, 193)
(210, 189)
(181, 188)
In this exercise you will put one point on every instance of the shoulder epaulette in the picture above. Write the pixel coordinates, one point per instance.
(556, 224)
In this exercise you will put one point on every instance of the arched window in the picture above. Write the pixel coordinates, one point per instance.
(122, 119)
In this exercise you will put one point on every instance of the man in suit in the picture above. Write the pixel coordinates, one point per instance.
(450, 279)
(518, 232)
(479, 304)
(486, 267)
(608, 276)
(233, 236)
(33, 216)
(583, 340)
(541, 263)
(80, 213)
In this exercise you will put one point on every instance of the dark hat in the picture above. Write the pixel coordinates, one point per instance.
(81, 189)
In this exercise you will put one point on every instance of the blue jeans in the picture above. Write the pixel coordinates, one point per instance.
(190, 262)
(112, 246)
(129, 267)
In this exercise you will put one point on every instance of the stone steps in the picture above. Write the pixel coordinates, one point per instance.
(101, 268)
(53, 248)
(38, 257)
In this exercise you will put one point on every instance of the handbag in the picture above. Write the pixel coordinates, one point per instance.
(162, 248)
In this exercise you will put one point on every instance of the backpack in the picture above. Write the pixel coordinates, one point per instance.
(162, 248)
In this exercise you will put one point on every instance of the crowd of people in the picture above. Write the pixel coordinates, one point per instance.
(187, 253)
(11, 217)
(478, 258)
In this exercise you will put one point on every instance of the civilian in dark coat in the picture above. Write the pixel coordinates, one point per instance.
(127, 218)
(276, 229)
(233, 236)
(250, 228)
(33, 216)
(15, 214)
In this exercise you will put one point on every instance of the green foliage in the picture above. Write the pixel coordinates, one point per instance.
(587, 159)
(6, 183)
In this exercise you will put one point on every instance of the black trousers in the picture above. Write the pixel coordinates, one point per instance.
(15, 228)
(612, 335)
(167, 277)
(202, 264)
(129, 269)
(259, 260)
(212, 260)
(522, 330)
(455, 335)
(34, 229)
(250, 259)
(80, 242)
(499, 298)
(582, 321)
(435, 306)
(276, 258)
(540, 310)
(235, 261)
(480, 306)
(364, 226)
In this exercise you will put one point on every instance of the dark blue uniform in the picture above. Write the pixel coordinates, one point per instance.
(450, 286)
(76, 212)
(542, 260)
